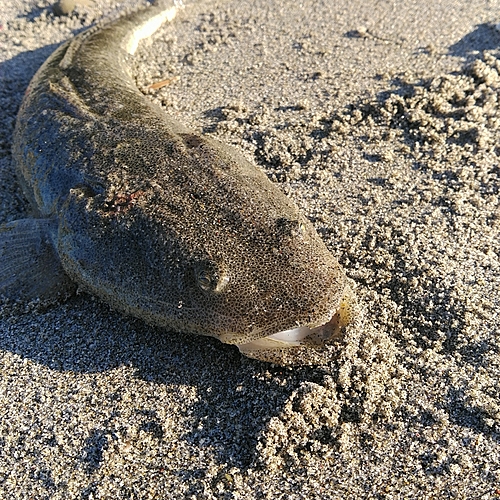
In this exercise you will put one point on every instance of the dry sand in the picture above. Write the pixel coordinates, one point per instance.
(381, 120)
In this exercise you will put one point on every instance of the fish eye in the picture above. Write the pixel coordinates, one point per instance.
(290, 227)
(205, 279)
(209, 278)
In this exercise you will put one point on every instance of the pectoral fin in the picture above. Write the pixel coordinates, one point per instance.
(29, 265)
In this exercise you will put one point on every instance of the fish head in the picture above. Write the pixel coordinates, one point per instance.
(275, 291)
(220, 252)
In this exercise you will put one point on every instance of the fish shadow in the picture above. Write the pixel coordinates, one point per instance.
(236, 396)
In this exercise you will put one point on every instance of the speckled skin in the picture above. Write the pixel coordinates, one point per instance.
(163, 224)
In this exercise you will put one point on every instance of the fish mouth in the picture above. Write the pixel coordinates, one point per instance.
(303, 335)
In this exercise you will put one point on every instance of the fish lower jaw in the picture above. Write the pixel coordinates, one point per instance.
(303, 335)
(300, 336)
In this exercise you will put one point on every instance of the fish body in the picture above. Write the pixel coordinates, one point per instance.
(161, 223)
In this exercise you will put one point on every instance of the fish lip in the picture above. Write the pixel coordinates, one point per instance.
(301, 336)
(305, 336)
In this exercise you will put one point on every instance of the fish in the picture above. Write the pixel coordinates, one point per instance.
(161, 223)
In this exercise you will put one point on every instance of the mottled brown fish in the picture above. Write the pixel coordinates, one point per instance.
(161, 223)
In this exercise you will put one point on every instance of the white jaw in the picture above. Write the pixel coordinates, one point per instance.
(303, 335)
(296, 337)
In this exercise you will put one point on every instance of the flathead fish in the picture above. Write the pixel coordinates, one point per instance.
(159, 222)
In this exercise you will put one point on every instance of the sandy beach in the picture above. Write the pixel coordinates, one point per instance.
(381, 120)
